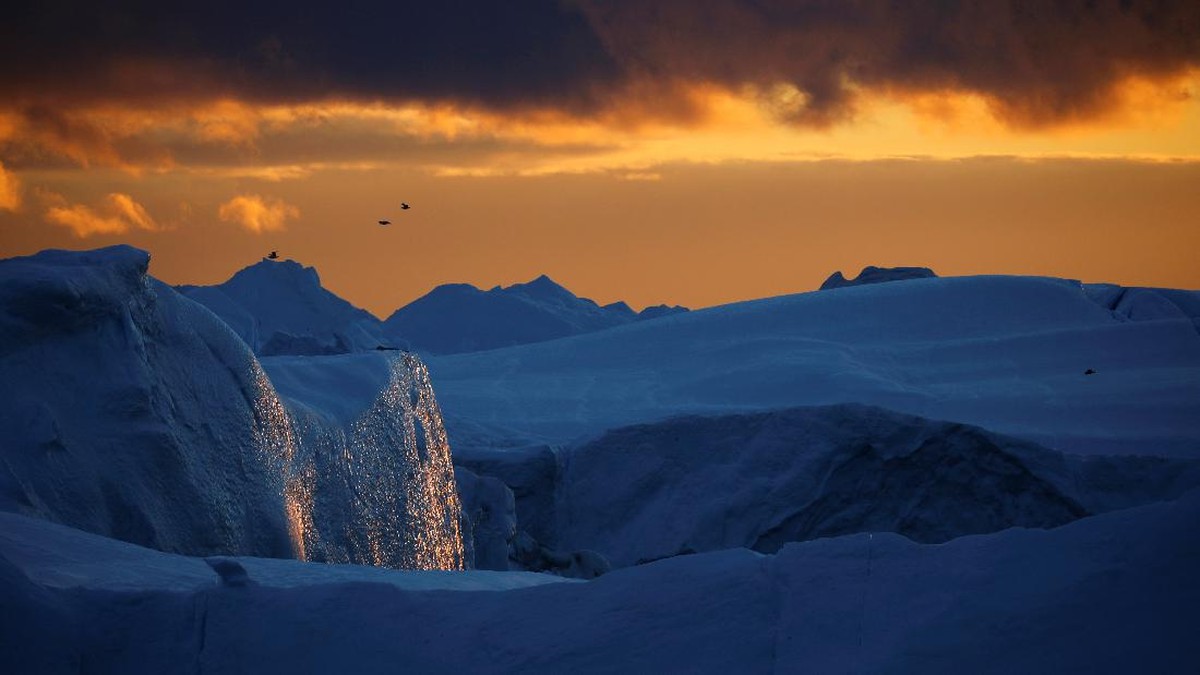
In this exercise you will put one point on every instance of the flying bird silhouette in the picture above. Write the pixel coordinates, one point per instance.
(273, 256)
(405, 206)
(385, 222)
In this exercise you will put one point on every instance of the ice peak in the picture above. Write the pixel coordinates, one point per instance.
(279, 271)
(543, 285)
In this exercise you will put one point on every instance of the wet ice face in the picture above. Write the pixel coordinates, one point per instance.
(381, 492)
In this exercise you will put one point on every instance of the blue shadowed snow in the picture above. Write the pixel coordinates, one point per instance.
(1113, 593)
(1006, 353)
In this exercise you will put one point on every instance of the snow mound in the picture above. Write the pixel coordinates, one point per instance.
(128, 410)
(760, 481)
(1005, 353)
(877, 275)
(456, 318)
(280, 307)
(1112, 593)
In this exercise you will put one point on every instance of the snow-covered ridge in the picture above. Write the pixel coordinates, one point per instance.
(455, 318)
(280, 307)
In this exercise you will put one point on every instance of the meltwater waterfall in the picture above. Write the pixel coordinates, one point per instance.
(379, 490)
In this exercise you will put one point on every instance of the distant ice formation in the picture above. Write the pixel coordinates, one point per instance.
(281, 308)
(456, 318)
(877, 275)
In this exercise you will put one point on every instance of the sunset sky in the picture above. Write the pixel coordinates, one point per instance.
(686, 151)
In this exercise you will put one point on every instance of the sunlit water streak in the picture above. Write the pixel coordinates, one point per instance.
(381, 492)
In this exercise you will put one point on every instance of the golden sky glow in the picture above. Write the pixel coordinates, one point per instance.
(693, 183)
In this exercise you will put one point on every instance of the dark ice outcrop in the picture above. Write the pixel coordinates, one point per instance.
(877, 275)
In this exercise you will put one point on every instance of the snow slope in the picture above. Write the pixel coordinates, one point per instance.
(1005, 353)
(1111, 593)
(130, 411)
(280, 307)
(457, 318)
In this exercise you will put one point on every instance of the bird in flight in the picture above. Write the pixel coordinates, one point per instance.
(405, 206)
(385, 222)
(273, 256)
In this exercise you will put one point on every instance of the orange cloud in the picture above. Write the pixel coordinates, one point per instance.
(640, 128)
(131, 211)
(117, 214)
(10, 190)
(257, 214)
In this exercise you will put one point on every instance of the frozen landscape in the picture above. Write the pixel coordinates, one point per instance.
(897, 473)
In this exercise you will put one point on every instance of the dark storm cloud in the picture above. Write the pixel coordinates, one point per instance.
(1038, 60)
(492, 53)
